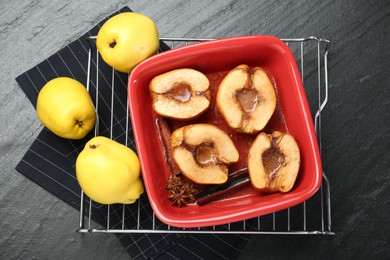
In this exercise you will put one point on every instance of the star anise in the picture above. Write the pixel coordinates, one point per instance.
(174, 182)
(190, 190)
(180, 192)
(178, 197)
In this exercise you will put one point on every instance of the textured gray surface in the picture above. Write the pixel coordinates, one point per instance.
(35, 224)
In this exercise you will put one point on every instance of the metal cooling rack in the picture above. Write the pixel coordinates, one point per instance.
(310, 217)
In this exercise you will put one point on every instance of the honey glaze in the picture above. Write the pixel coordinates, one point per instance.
(273, 159)
(204, 155)
(248, 99)
(241, 141)
(180, 92)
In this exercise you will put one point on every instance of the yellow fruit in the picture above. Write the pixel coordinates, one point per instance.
(109, 172)
(126, 39)
(65, 107)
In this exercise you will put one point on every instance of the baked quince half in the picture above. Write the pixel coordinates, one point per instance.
(273, 162)
(246, 99)
(203, 152)
(180, 94)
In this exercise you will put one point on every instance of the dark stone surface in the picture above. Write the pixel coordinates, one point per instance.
(355, 133)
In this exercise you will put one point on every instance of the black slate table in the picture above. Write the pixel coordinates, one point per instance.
(355, 136)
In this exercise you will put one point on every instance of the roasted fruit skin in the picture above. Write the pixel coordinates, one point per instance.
(274, 162)
(203, 152)
(181, 94)
(246, 99)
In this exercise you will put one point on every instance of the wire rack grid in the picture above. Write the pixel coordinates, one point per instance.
(310, 217)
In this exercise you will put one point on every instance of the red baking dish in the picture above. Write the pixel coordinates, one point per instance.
(215, 58)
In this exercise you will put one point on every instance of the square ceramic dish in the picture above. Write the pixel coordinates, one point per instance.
(215, 58)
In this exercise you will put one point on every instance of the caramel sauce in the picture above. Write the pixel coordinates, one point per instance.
(204, 155)
(180, 92)
(248, 99)
(273, 160)
(241, 141)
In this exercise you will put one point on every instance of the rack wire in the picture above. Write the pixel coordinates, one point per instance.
(308, 218)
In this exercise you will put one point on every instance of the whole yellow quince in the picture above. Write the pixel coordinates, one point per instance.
(109, 172)
(126, 39)
(65, 107)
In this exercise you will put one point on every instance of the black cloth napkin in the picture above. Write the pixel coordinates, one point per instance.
(50, 161)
